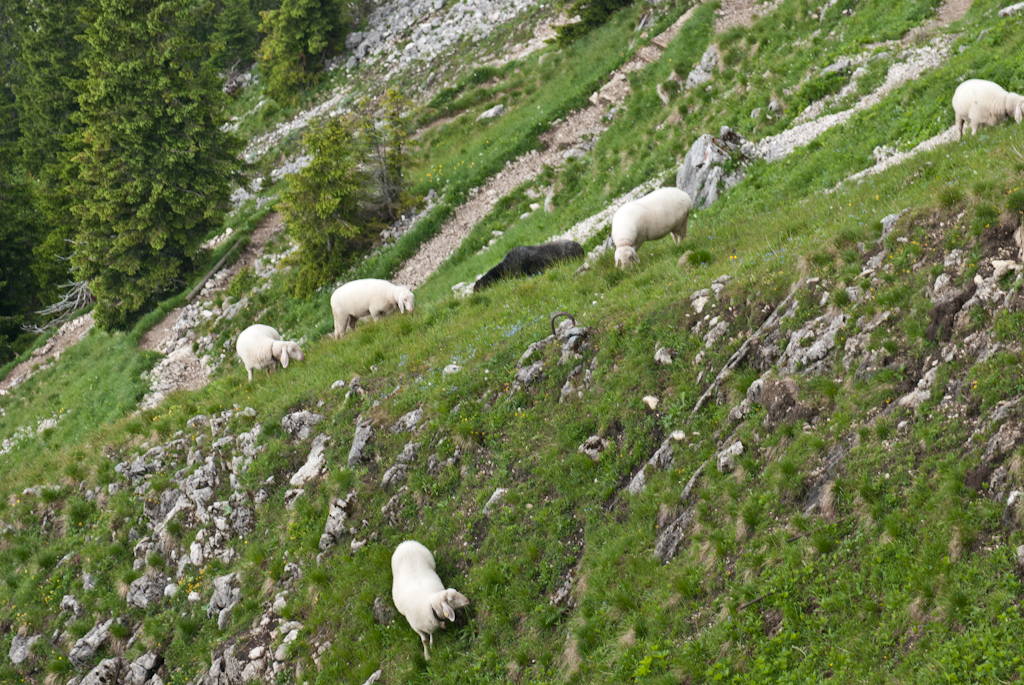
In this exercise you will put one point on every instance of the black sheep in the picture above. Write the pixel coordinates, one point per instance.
(530, 259)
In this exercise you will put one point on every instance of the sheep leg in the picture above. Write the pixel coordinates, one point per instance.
(249, 370)
(959, 127)
(423, 639)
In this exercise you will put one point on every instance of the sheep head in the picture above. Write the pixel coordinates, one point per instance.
(626, 256)
(405, 300)
(1018, 114)
(283, 350)
(445, 603)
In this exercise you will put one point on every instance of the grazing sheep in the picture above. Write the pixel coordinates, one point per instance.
(367, 296)
(530, 259)
(261, 346)
(653, 216)
(983, 103)
(419, 594)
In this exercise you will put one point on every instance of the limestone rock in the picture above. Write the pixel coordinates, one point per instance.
(315, 462)
(491, 113)
(364, 431)
(146, 590)
(20, 648)
(300, 424)
(383, 614)
(726, 459)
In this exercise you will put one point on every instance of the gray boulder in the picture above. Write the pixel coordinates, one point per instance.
(20, 648)
(703, 169)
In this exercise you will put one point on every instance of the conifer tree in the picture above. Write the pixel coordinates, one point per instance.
(47, 101)
(156, 166)
(299, 36)
(17, 229)
(322, 204)
(387, 131)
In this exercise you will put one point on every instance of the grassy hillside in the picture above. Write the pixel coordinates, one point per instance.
(855, 538)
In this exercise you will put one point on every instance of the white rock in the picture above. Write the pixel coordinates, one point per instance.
(651, 401)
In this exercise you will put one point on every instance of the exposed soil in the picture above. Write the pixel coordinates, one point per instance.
(557, 140)
(67, 335)
(156, 337)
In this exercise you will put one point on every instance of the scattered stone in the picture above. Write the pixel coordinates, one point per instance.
(85, 648)
(20, 648)
(315, 462)
(383, 614)
(224, 670)
(224, 599)
(106, 671)
(703, 171)
(726, 459)
(146, 590)
(397, 473)
(364, 431)
(70, 604)
(499, 493)
(671, 536)
(663, 458)
(1011, 10)
(337, 515)
(408, 421)
(529, 375)
(491, 113)
(651, 402)
(593, 447)
(143, 669)
(300, 424)
(374, 677)
(702, 73)
(664, 356)
(564, 594)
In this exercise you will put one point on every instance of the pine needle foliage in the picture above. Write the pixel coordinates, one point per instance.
(322, 205)
(156, 166)
(299, 36)
(387, 134)
(47, 101)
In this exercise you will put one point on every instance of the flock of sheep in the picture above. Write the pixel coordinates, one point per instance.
(418, 592)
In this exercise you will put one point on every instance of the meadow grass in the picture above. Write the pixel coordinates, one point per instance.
(910, 577)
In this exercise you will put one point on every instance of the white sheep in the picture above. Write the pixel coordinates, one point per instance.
(367, 296)
(653, 216)
(261, 346)
(983, 103)
(419, 594)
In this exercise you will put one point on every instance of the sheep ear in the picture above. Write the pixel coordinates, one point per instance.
(457, 599)
(448, 612)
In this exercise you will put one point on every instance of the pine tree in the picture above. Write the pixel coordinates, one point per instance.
(388, 139)
(322, 204)
(236, 35)
(17, 229)
(156, 166)
(299, 36)
(47, 101)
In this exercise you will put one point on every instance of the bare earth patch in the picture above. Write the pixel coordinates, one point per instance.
(560, 138)
(181, 369)
(67, 335)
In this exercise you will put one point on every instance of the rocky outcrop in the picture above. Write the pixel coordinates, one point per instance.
(703, 175)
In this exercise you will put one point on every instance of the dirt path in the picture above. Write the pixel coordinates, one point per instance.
(157, 337)
(67, 335)
(564, 137)
(181, 369)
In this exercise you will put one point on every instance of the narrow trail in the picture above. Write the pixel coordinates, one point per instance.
(67, 335)
(181, 369)
(559, 139)
(157, 337)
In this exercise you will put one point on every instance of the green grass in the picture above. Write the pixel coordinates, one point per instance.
(909, 577)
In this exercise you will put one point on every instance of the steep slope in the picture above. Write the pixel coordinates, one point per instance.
(786, 450)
